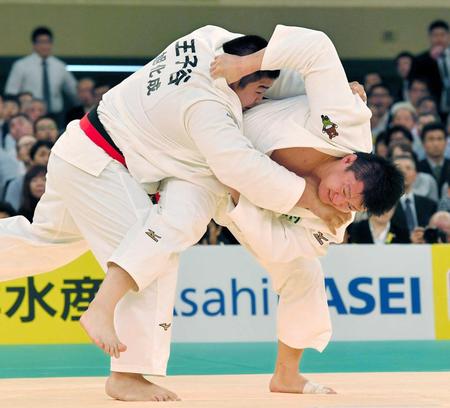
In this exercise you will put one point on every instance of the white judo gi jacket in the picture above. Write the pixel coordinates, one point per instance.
(170, 119)
(298, 122)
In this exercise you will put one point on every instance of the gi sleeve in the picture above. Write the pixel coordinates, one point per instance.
(236, 163)
(289, 83)
(281, 239)
(336, 114)
(14, 83)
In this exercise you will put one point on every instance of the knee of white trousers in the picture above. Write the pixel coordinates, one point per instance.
(146, 252)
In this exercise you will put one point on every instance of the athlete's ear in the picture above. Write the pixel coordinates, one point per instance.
(349, 159)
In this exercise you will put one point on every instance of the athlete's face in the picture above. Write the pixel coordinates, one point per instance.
(340, 188)
(252, 93)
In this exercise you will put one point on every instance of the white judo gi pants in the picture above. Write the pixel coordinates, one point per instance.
(79, 212)
(303, 318)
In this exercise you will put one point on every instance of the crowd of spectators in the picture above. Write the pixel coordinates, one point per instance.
(410, 125)
(32, 116)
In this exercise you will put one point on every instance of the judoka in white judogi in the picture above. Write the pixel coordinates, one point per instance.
(81, 175)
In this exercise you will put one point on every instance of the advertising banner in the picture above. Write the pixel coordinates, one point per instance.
(392, 292)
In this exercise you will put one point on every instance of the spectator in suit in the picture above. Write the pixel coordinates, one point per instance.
(9, 169)
(434, 139)
(45, 128)
(378, 229)
(371, 79)
(35, 109)
(6, 210)
(380, 146)
(9, 108)
(24, 99)
(403, 63)
(413, 212)
(418, 89)
(19, 125)
(85, 92)
(425, 184)
(42, 74)
(24, 146)
(33, 189)
(404, 114)
(398, 134)
(99, 91)
(444, 204)
(39, 154)
(434, 64)
(427, 105)
(425, 118)
(379, 100)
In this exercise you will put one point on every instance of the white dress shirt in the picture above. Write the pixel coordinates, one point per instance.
(26, 76)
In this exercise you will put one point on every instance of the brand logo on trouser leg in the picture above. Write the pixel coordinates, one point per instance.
(153, 235)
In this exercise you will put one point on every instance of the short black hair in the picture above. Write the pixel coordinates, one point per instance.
(418, 79)
(437, 24)
(38, 145)
(11, 98)
(24, 93)
(7, 208)
(245, 45)
(383, 182)
(406, 149)
(395, 129)
(20, 115)
(381, 138)
(380, 85)
(426, 98)
(436, 117)
(404, 54)
(38, 31)
(45, 117)
(429, 127)
(407, 157)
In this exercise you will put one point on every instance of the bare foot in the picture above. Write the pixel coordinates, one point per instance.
(98, 322)
(296, 384)
(134, 387)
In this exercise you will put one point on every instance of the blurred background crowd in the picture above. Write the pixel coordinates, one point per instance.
(410, 126)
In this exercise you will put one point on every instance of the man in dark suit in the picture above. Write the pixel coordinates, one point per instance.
(403, 64)
(378, 229)
(434, 140)
(434, 64)
(85, 93)
(413, 211)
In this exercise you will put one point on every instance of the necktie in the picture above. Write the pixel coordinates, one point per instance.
(409, 215)
(445, 102)
(46, 85)
(437, 172)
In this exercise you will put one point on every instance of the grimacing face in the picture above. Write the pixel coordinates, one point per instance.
(252, 93)
(340, 188)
